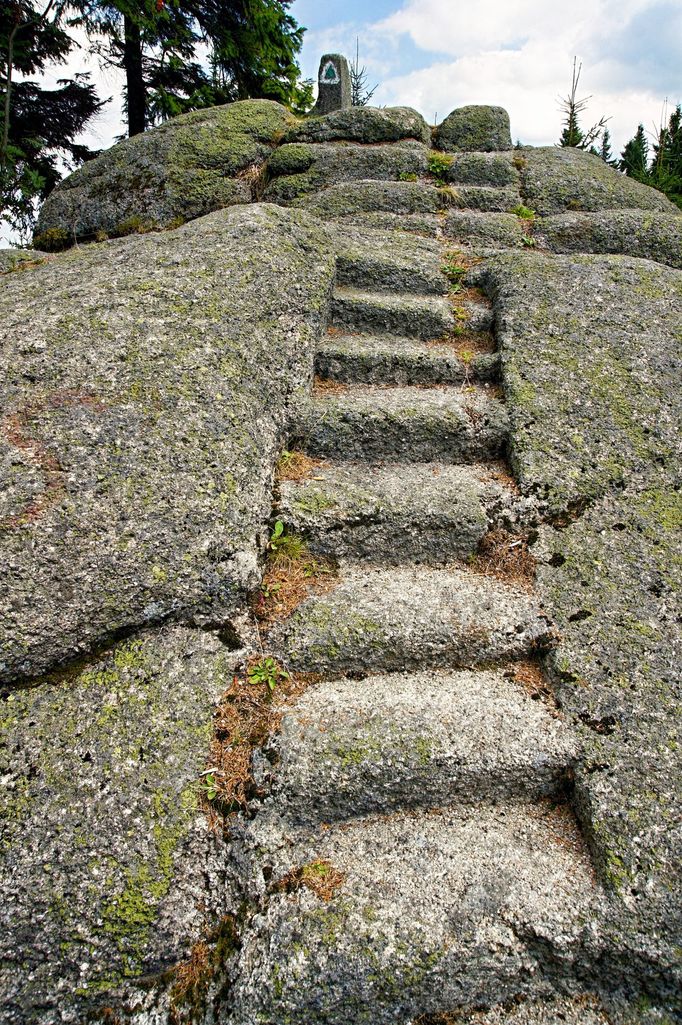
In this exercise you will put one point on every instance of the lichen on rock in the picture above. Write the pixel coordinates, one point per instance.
(182, 169)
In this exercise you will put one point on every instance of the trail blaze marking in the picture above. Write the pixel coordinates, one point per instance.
(330, 75)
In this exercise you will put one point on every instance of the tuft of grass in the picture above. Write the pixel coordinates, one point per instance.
(291, 574)
(528, 241)
(519, 162)
(320, 876)
(407, 176)
(296, 466)
(524, 212)
(505, 556)
(531, 678)
(449, 196)
(438, 165)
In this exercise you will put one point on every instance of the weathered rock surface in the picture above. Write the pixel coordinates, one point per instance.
(299, 168)
(485, 230)
(452, 909)
(102, 831)
(12, 259)
(654, 236)
(142, 413)
(410, 618)
(556, 179)
(182, 169)
(474, 128)
(591, 363)
(355, 510)
(357, 747)
(363, 124)
(480, 169)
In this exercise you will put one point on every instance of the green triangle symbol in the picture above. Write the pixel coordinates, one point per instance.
(330, 72)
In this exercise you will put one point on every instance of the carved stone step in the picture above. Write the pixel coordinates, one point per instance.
(393, 513)
(403, 314)
(391, 620)
(376, 359)
(413, 424)
(423, 913)
(354, 747)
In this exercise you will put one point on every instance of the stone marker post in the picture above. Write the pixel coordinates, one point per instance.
(333, 80)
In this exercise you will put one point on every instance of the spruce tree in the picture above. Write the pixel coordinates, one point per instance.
(666, 165)
(38, 126)
(573, 108)
(605, 149)
(635, 156)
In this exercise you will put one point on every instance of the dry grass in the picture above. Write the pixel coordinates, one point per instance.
(505, 556)
(319, 876)
(325, 386)
(531, 678)
(297, 466)
(248, 714)
(499, 473)
(291, 575)
(467, 343)
(190, 974)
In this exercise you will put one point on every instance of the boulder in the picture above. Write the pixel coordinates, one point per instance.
(655, 236)
(102, 829)
(555, 179)
(142, 410)
(182, 169)
(363, 124)
(488, 230)
(474, 128)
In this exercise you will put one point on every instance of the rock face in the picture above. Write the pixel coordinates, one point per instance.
(142, 415)
(556, 179)
(180, 170)
(460, 803)
(102, 824)
(474, 128)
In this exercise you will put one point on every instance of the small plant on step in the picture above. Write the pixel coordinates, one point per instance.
(292, 572)
(296, 466)
(528, 241)
(524, 212)
(439, 164)
(407, 176)
(266, 672)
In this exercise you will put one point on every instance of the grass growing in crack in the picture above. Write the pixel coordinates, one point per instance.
(505, 556)
(531, 678)
(248, 713)
(296, 466)
(320, 876)
(291, 574)
(524, 212)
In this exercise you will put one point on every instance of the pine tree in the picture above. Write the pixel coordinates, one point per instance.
(666, 165)
(573, 108)
(360, 93)
(38, 125)
(253, 46)
(635, 156)
(605, 149)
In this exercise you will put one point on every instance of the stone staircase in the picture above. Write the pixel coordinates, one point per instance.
(418, 852)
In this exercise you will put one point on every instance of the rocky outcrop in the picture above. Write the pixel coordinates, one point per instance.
(363, 124)
(142, 416)
(182, 169)
(462, 796)
(556, 179)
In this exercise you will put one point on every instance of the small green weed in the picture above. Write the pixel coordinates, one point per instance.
(407, 176)
(528, 241)
(266, 672)
(283, 545)
(439, 164)
(524, 212)
(209, 785)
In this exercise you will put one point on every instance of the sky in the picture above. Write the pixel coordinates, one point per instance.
(436, 55)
